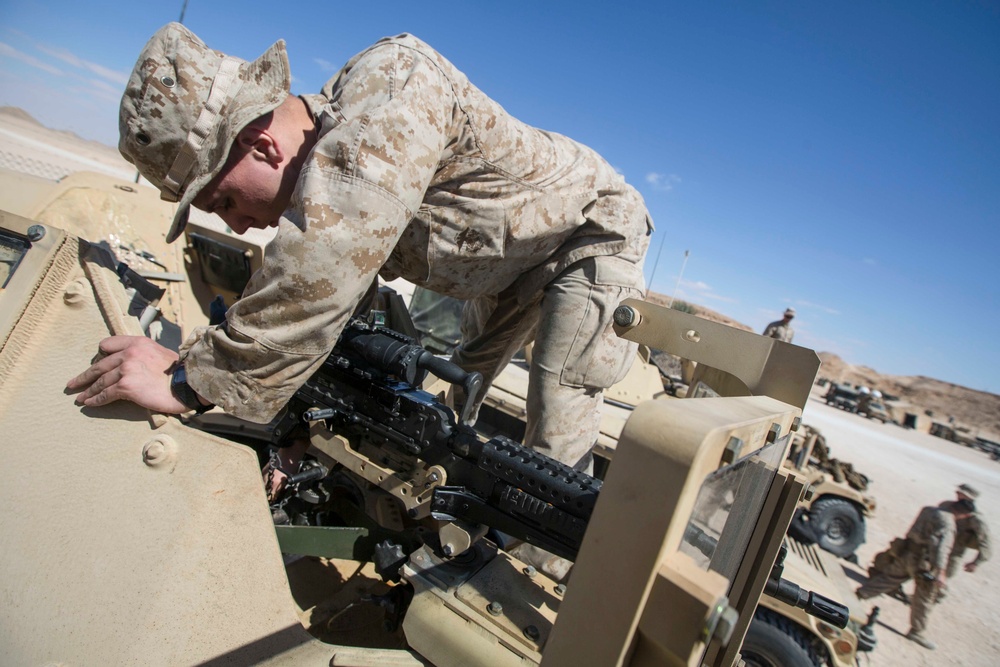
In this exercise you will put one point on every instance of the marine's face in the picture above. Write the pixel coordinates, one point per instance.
(246, 193)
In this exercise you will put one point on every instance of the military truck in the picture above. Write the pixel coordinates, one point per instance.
(145, 538)
(834, 510)
(843, 396)
(872, 406)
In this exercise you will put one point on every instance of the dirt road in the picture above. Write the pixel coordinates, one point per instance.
(909, 470)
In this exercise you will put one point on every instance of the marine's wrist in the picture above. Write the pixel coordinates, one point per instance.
(184, 393)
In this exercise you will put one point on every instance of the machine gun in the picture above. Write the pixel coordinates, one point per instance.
(366, 391)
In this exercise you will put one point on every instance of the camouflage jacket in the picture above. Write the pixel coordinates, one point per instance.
(931, 537)
(779, 330)
(418, 174)
(971, 533)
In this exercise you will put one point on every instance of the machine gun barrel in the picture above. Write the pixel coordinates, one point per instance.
(813, 603)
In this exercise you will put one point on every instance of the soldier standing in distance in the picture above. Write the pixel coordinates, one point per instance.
(782, 329)
(921, 556)
(970, 533)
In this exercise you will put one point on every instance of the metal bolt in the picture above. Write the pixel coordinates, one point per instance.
(495, 608)
(153, 453)
(532, 633)
(560, 589)
(733, 449)
(448, 550)
(725, 626)
(36, 232)
(625, 316)
(530, 571)
(796, 423)
(76, 293)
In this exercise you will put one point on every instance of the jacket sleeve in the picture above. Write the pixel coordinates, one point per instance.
(381, 141)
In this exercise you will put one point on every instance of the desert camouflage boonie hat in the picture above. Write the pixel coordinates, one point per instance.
(967, 490)
(184, 106)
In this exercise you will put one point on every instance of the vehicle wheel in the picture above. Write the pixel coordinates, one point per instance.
(774, 641)
(838, 525)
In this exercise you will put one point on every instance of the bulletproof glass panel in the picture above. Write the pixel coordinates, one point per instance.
(727, 509)
(12, 249)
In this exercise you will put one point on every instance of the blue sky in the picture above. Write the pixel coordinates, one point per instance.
(842, 158)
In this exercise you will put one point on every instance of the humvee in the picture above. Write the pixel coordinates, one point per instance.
(781, 634)
(135, 537)
(834, 510)
(871, 406)
(842, 396)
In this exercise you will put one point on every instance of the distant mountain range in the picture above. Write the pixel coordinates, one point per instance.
(979, 411)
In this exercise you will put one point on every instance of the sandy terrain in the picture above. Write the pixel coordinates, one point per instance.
(909, 470)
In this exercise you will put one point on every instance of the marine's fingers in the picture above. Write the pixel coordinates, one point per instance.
(90, 375)
(113, 344)
(105, 389)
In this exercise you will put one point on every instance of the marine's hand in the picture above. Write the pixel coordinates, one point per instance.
(970, 567)
(135, 369)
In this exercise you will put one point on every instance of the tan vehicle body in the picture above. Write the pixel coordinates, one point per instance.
(835, 504)
(135, 538)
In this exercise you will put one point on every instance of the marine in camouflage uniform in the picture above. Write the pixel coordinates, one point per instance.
(415, 173)
(971, 533)
(921, 556)
(782, 329)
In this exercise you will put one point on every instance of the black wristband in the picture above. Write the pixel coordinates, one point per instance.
(183, 392)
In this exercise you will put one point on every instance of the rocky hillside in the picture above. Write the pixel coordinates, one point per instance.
(979, 411)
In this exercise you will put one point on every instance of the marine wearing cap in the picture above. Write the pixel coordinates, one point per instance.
(781, 329)
(185, 104)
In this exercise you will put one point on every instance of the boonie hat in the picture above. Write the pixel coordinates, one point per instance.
(790, 312)
(967, 490)
(184, 106)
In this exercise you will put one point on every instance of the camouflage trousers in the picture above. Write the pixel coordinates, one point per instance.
(890, 573)
(575, 356)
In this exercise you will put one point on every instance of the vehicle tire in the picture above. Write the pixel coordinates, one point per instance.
(774, 641)
(838, 525)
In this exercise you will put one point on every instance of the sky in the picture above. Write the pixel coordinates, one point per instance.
(840, 158)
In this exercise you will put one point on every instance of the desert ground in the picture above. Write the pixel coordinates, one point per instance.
(908, 470)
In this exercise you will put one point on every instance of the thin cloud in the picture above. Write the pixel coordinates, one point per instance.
(69, 58)
(662, 182)
(10, 52)
(869, 261)
(326, 65)
(816, 306)
(702, 291)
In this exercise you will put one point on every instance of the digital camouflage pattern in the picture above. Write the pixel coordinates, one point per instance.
(971, 533)
(183, 107)
(780, 330)
(922, 556)
(418, 174)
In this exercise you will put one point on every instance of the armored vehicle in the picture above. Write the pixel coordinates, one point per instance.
(870, 405)
(781, 634)
(144, 538)
(834, 510)
(842, 396)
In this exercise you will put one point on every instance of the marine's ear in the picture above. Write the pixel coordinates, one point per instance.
(261, 142)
